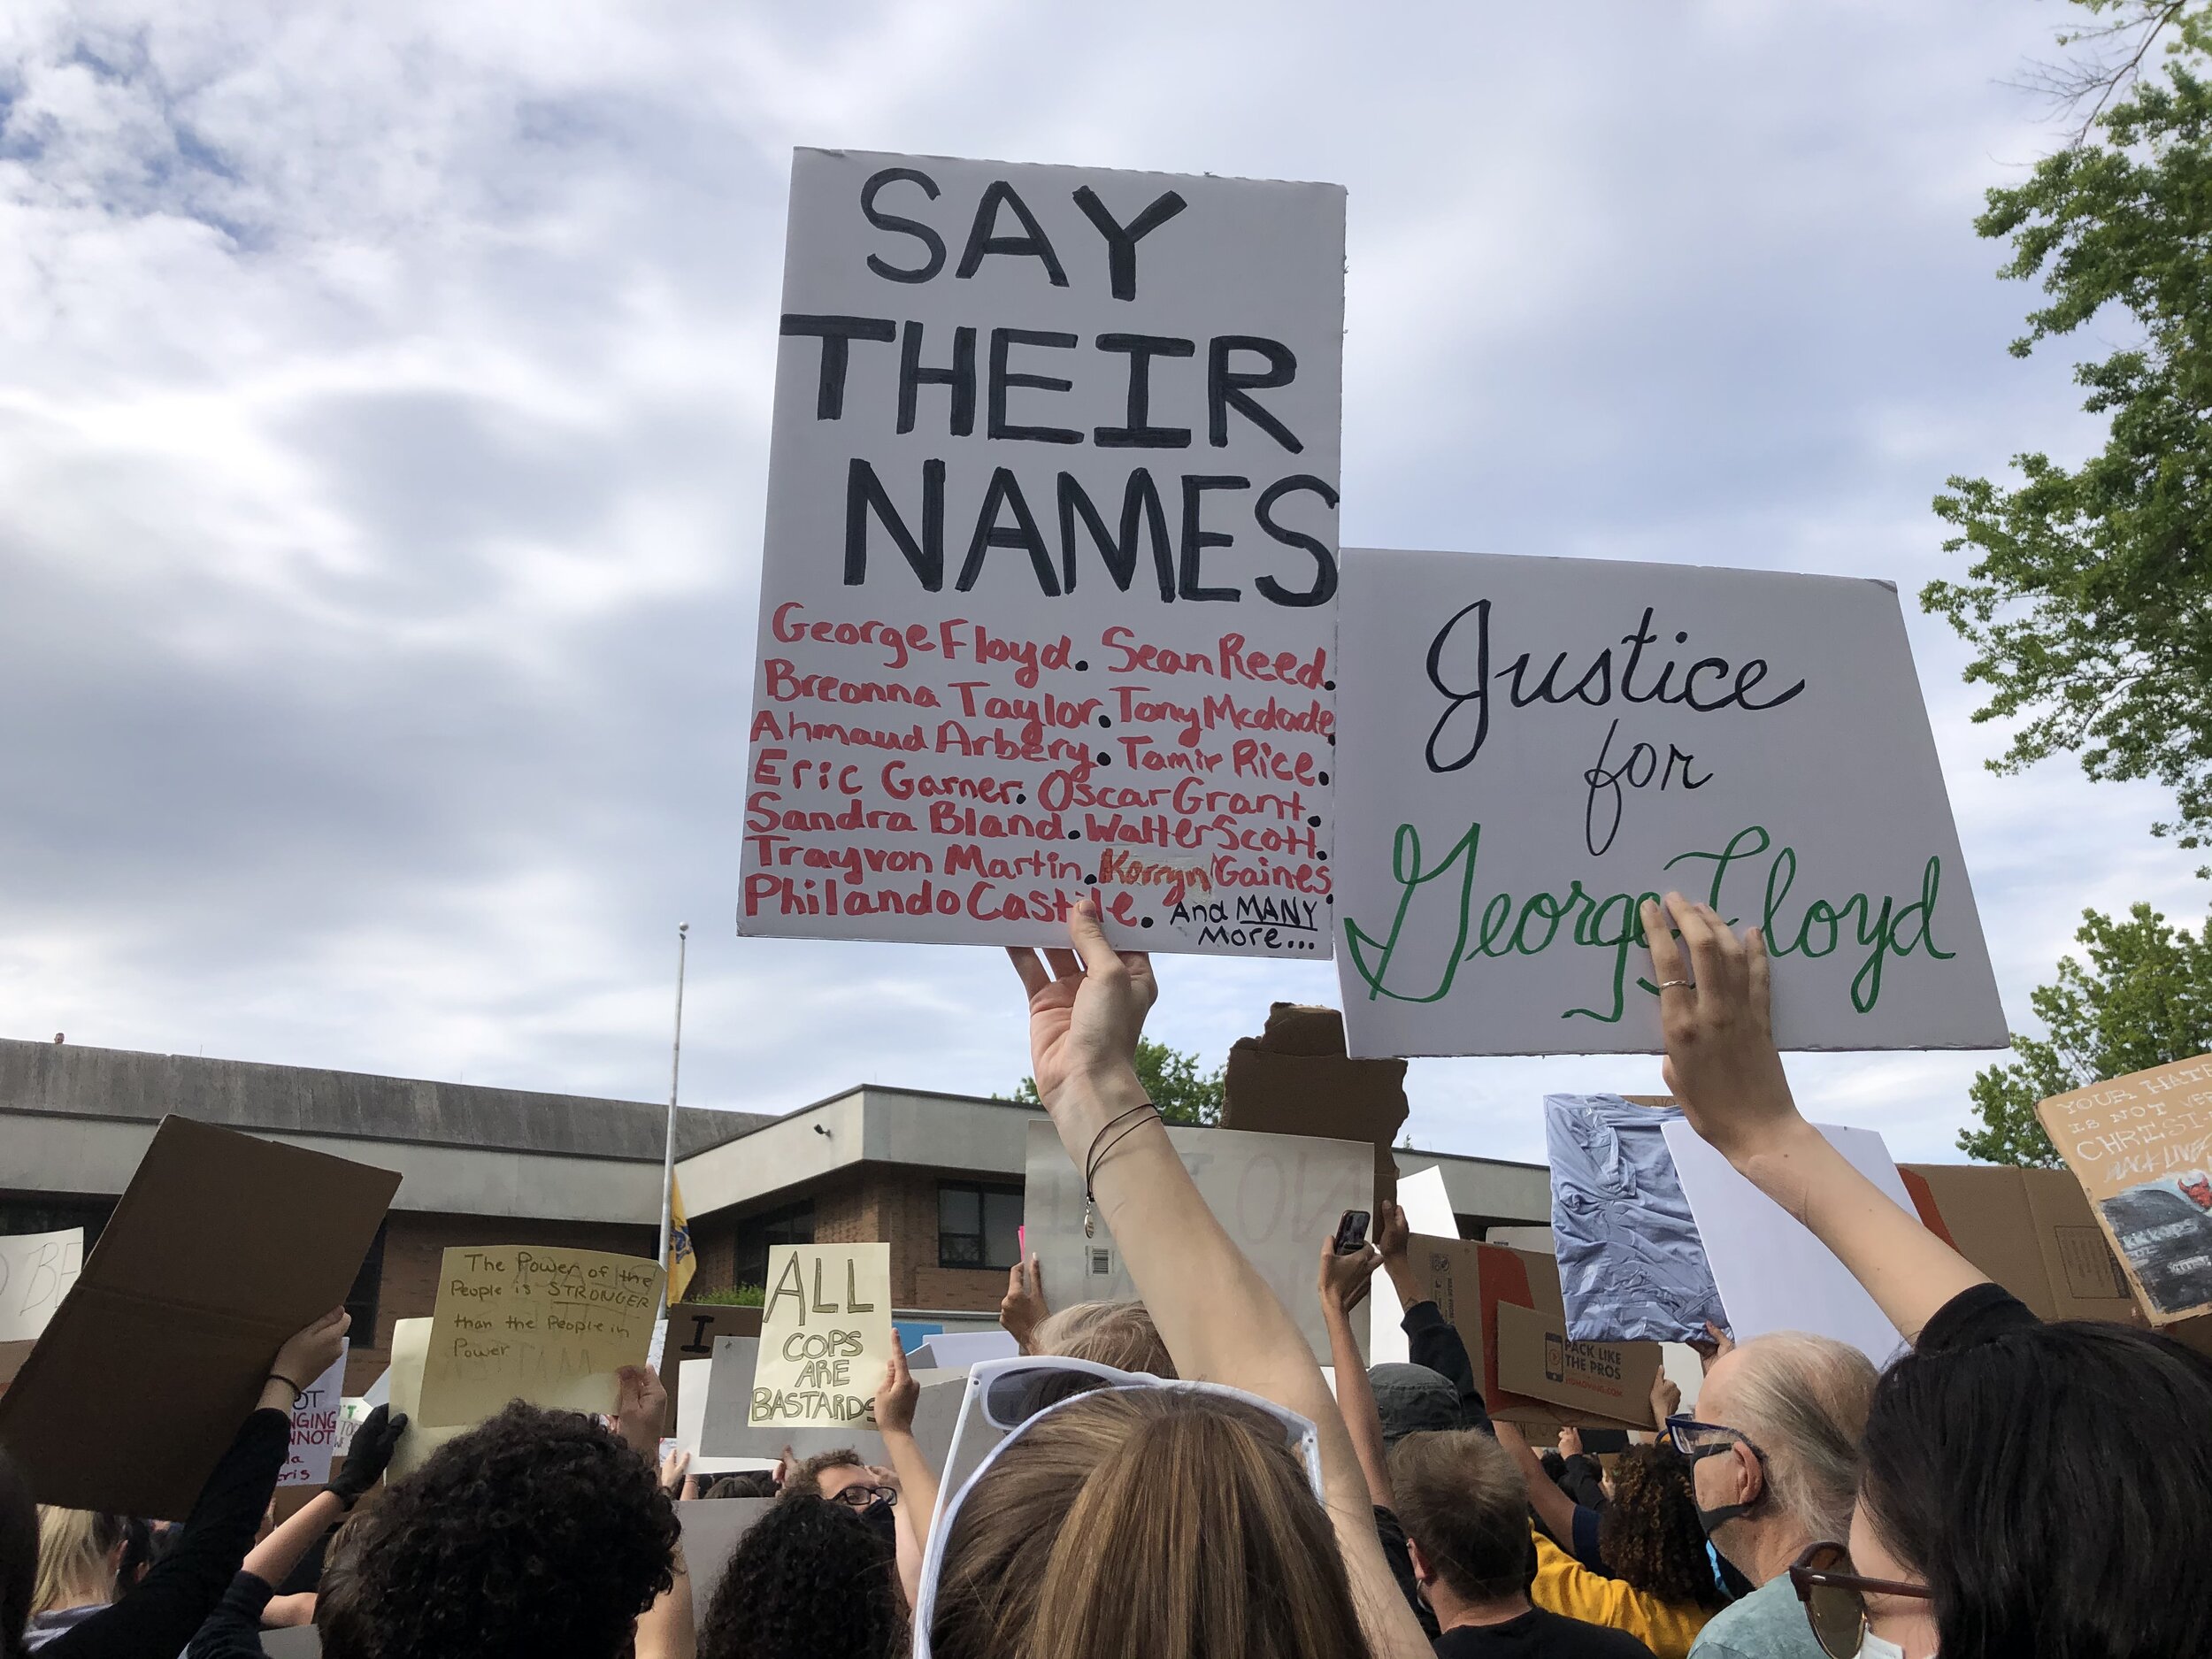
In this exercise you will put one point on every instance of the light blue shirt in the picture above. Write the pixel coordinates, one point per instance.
(1632, 1265)
(1767, 1623)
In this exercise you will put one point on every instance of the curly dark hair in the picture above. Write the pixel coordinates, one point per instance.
(1649, 1535)
(535, 1535)
(811, 1579)
(806, 1479)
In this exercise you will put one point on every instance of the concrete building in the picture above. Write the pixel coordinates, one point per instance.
(938, 1176)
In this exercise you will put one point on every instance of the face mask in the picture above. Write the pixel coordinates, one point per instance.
(883, 1521)
(1711, 1518)
(1873, 1646)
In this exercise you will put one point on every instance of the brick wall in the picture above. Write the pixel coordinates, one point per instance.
(413, 1244)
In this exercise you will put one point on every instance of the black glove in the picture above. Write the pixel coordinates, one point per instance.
(374, 1444)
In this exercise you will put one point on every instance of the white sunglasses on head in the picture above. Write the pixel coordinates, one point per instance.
(1010, 1396)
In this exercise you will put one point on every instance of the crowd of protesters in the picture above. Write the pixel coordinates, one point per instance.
(1174, 1478)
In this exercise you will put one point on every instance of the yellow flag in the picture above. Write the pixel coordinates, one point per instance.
(683, 1261)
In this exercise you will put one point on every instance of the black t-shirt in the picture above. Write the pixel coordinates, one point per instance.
(1538, 1634)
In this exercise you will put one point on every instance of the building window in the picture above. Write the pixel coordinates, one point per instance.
(977, 1227)
(361, 1300)
(793, 1224)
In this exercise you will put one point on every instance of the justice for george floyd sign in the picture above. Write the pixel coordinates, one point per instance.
(1045, 596)
(1531, 746)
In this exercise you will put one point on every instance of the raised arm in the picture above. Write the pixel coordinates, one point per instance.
(1023, 1308)
(1218, 1317)
(1343, 1286)
(1429, 1339)
(1723, 1066)
(232, 1631)
(895, 1400)
(185, 1586)
(1553, 1508)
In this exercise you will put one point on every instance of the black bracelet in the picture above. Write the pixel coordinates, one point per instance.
(297, 1391)
(1098, 1154)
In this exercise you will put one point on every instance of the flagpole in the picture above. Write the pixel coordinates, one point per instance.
(675, 1076)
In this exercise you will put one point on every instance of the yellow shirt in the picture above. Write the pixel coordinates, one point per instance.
(1564, 1586)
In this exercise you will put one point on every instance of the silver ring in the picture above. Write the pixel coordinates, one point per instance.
(1671, 984)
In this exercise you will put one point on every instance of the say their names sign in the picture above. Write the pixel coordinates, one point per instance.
(1045, 596)
(826, 1334)
(1531, 747)
(548, 1325)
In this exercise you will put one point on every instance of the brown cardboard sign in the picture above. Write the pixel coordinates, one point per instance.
(1294, 1079)
(1506, 1305)
(223, 1245)
(1602, 1379)
(2032, 1231)
(2141, 1147)
(692, 1328)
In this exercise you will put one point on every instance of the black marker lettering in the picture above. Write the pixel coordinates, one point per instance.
(1003, 341)
(914, 228)
(983, 238)
(1227, 388)
(1197, 538)
(865, 493)
(1140, 502)
(836, 333)
(1005, 492)
(1325, 574)
(1121, 241)
(1458, 700)
(1138, 434)
(960, 377)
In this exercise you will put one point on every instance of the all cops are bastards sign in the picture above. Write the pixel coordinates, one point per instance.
(1531, 746)
(1046, 594)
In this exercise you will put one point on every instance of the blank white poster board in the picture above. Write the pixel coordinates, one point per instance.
(1774, 1275)
(725, 1431)
(1429, 1212)
(712, 1529)
(1050, 553)
(1277, 1197)
(958, 1349)
(691, 1414)
(1529, 745)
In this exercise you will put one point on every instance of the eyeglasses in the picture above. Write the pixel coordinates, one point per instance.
(1011, 1396)
(860, 1497)
(1694, 1439)
(1835, 1598)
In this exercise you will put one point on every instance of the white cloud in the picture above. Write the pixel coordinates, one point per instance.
(383, 434)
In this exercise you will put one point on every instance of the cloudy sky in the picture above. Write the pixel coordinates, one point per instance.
(383, 430)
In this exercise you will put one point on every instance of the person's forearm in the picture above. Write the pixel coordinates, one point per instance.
(1553, 1508)
(1218, 1319)
(1356, 1404)
(666, 1629)
(918, 1504)
(1909, 1271)
(1400, 1267)
(272, 1559)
